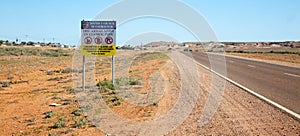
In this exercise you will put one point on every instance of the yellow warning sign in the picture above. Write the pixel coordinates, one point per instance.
(98, 38)
(98, 50)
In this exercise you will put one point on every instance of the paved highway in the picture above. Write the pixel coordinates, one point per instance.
(278, 83)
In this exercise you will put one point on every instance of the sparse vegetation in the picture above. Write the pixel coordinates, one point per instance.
(5, 83)
(108, 91)
(125, 81)
(77, 112)
(70, 90)
(64, 71)
(81, 123)
(59, 124)
(106, 85)
(18, 51)
(8, 83)
(150, 56)
(49, 114)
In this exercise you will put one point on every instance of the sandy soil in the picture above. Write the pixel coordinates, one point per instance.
(36, 82)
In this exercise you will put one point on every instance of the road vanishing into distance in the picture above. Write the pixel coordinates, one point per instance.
(278, 83)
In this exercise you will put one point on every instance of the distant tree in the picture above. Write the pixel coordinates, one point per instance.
(8, 43)
(1, 42)
(23, 43)
(127, 47)
(30, 43)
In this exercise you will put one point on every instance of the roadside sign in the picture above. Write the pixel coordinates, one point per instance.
(98, 38)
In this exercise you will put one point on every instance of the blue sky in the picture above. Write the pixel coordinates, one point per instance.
(231, 20)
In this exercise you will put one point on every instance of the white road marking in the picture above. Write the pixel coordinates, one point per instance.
(231, 61)
(296, 115)
(293, 75)
(251, 66)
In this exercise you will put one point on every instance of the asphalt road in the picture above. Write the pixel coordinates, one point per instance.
(278, 83)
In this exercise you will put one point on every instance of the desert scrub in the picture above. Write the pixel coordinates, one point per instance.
(77, 112)
(8, 83)
(81, 123)
(5, 83)
(49, 114)
(106, 85)
(109, 94)
(17, 51)
(150, 56)
(59, 124)
(64, 71)
(127, 81)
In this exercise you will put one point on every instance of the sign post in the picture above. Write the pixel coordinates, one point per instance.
(113, 70)
(83, 73)
(98, 38)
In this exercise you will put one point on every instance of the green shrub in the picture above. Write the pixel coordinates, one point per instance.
(49, 114)
(106, 85)
(81, 123)
(77, 112)
(60, 123)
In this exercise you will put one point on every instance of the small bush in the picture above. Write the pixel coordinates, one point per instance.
(136, 82)
(106, 85)
(49, 72)
(71, 90)
(59, 124)
(49, 114)
(114, 98)
(81, 123)
(77, 112)
(67, 70)
(5, 83)
(118, 103)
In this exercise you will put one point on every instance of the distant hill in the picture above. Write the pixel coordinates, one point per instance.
(161, 43)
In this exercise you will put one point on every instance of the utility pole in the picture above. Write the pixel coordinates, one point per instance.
(44, 42)
(26, 38)
(17, 41)
(53, 45)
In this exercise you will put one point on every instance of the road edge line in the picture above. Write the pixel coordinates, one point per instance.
(292, 113)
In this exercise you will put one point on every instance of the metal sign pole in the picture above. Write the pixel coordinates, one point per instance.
(83, 73)
(113, 70)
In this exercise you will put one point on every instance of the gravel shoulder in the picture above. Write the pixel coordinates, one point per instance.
(238, 114)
